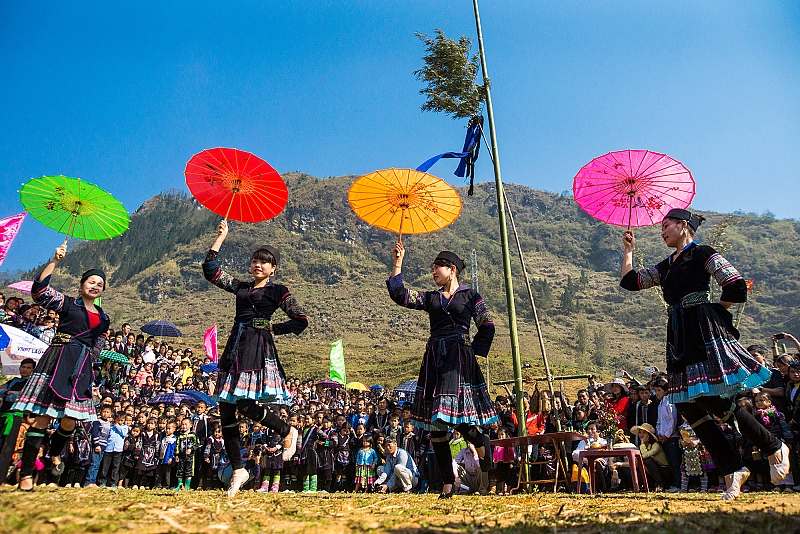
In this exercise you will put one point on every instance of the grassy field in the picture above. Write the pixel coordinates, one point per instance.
(146, 512)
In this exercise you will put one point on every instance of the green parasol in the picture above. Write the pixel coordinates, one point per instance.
(114, 357)
(73, 207)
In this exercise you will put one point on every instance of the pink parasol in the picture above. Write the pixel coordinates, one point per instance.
(633, 188)
(23, 286)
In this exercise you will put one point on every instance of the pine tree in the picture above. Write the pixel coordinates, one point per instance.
(581, 336)
(600, 356)
(568, 304)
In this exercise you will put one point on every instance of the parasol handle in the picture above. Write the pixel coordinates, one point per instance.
(228, 211)
(400, 233)
(630, 210)
(71, 224)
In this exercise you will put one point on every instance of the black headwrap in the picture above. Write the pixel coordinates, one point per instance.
(451, 258)
(684, 215)
(271, 250)
(93, 272)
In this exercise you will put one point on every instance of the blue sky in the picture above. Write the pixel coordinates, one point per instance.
(122, 94)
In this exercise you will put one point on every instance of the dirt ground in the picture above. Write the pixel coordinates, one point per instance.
(145, 512)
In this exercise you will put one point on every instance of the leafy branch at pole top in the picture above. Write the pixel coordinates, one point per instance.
(450, 73)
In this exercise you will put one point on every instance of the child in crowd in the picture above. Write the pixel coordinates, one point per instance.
(655, 461)
(366, 465)
(166, 460)
(130, 454)
(697, 461)
(503, 458)
(112, 457)
(185, 445)
(325, 454)
(79, 456)
(766, 414)
(213, 454)
(147, 463)
(393, 430)
(341, 439)
(100, 432)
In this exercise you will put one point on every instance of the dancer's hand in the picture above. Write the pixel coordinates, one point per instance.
(399, 253)
(60, 253)
(222, 229)
(628, 241)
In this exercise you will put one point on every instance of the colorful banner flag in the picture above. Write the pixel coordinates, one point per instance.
(8, 231)
(210, 343)
(337, 362)
(15, 346)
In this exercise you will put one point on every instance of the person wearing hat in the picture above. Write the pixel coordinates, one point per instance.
(451, 390)
(706, 364)
(249, 369)
(655, 460)
(619, 403)
(61, 384)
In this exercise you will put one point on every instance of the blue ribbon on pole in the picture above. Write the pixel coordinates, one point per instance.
(468, 156)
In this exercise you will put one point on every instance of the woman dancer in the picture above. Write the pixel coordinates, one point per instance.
(706, 365)
(451, 390)
(249, 369)
(61, 385)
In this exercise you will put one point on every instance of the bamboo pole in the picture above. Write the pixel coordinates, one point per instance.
(501, 213)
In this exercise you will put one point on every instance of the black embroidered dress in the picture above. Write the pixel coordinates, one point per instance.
(249, 367)
(451, 388)
(704, 356)
(61, 384)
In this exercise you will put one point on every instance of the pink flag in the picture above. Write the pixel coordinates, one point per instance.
(8, 231)
(210, 343)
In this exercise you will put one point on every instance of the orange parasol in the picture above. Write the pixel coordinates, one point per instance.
(404, 201)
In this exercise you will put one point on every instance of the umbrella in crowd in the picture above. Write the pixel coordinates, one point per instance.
(236, 184)
(200, 396)
(74, 207)
(408, 387)
(209, 367)
(328, 384)
(161, 328)
(404, 201)
(171, 399)
(376, 386)
(633, 188)
(114, 357)
(358, 386)
(23, 286)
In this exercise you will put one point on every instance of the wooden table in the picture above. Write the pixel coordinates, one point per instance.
(556, 439)
(632, 455)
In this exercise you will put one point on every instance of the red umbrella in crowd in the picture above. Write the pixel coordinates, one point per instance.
(633, 188)
(236, 184)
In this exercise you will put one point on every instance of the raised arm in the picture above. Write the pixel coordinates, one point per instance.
(407, 298)
(628, 244)
(42, 293)
(631, 279)
(211, 269)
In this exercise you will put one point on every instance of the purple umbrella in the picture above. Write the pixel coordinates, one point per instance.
(328, 384)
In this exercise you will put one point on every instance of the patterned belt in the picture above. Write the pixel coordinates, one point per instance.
(60, 338)
(691, 300)
(258, 323)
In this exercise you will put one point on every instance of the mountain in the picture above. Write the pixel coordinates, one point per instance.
(336, 266)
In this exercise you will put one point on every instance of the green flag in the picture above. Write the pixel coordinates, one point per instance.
(337, 362)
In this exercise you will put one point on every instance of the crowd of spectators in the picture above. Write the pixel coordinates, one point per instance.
(367, 441)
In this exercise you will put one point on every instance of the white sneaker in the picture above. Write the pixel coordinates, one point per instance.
(734, 482)
(240, 476)
(779, 464)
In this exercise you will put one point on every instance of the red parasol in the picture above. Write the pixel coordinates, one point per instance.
(236, 184)
(633, 187)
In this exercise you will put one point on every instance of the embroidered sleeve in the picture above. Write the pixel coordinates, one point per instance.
(734, 288)
(482, 341)
(44, 295)
(643, 279)
(408, 298)
(217, 276)
(297, 317)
